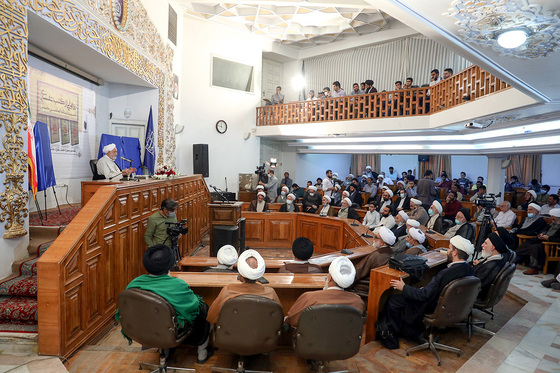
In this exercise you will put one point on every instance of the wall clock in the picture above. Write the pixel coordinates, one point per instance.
(221, 126)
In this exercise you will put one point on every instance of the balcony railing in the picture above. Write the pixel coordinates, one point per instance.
(467, 85)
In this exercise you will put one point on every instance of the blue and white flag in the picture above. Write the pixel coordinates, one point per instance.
(150, 151)
(45, 169)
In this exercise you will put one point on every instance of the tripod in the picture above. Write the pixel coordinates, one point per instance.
(485, 230)
(175, 248)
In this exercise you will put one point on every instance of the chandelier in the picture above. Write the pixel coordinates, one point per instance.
(483, 22)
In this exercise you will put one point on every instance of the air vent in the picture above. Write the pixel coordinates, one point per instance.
(172, 26)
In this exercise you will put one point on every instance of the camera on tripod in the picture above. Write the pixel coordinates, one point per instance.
(487, 202)
(175, 229)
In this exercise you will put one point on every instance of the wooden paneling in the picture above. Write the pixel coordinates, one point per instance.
(100, 252)
(254, 231)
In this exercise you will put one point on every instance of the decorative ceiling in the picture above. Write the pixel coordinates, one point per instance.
(300, 25)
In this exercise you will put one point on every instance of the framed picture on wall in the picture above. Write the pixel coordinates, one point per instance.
(65, 131)
(54, 129)
(74, 134)
(43, 118)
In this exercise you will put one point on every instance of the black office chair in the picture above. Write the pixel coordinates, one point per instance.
(150, 320)
(328, 332)
(248, 325)
(454, 305)
(93, 166)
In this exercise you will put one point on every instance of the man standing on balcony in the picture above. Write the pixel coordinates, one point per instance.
(278, 98)
(369, 86)
(338, 92)
(434, 77)
(356, 90)
(447, 73)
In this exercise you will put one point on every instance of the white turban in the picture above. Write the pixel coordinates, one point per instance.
(555, 213)
(245, 269)
(531, 192)
(438, 206)
(348, 201)
(387, 236)
(108, 148)
(535, 206)
(417, 202)
(413, 223)
(400, 182)
(368, 167)
(292, 195)
(337, 186)
(389, 192)
(385, 187)
(286, 188)
(260, 187)
(261, 194)
(227, 255)
(351, 175)
(335, 175)
(312, 187)
(417, 234)
(462, 244)
(346, 193)
(380, 177)
(342, 271)
(327, 198)
(403, 215)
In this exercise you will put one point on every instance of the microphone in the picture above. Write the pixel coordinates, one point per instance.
(354, 224)
(346, 251)
(126, 159)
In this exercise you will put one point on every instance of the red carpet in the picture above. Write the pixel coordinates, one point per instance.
(54, 218)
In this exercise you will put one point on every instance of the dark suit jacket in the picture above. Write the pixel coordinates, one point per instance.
(253, 205)
(329, 213)
(487, 272)
(399, 231)
(405, 206)
(356, 197)
(352, 214)
(532, 230)
(284, 208)
(438, 225)
(309, 201)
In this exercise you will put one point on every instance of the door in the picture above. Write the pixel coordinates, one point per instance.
(271, 78)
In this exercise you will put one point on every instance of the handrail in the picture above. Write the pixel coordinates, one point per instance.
(467, 85)
(100, 252)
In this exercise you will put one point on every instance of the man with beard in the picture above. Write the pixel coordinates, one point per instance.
(346, 211)
(495, 255)
(400, 227)
(417, 212)
(107, 167)
(311, 200)
(387, 219)
(436, 222)
(383, 239)
(452, 206)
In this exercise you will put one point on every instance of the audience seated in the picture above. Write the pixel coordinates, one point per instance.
(417, 212)
(402, 202)
(387, 219)
(530, 197)
(302, 248)
(551, 203)
(532, 225)
(259, 204)
(251, 267)
(435, 223)
(311, 200)
(290, 205)
(404, 312)
(190, 309)
(400, 245)
(260, 188)
(347, 211)
(399, 229)
(341, 276)
(297, 191)
(414, 240)
(452, 206)
(514, 183)
(495, 255)
(462, 226)
(534, 248)
(372, 217)
(227, 257)
(411, 189)
(336, 196)
(282, 198)
(370, 187)
(354, 195)
(325, 209)
(506, 217)
(382, 242)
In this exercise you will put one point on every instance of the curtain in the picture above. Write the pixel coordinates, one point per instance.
(526, 167)
(437, 164)
(360, 161)
(413, 56)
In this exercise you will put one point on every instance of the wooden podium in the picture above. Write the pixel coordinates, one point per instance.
(223, 214)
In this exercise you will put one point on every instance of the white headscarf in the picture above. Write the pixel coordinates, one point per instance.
(342, 271)
(389, 192)
(107, 148)
(462, 244)
(292, 195)
(227, 255)
(533, 193)
(245, 269)
(438, 206)
(312, 187)
(327, 198)
(416, 201)
(348, 201)
(413, 223)
(403, 215)
(535, 206)
(261, 194)
(417, 234)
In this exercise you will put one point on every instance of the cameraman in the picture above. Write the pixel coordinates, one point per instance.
(156, 229)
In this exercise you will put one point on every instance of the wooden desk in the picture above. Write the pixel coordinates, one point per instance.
(196, 263)
(436, 240)
(379, 283)
(288, 286)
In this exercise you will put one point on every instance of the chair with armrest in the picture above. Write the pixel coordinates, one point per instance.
(248, 325)
(454, 305)
(150, 320)
(552, 252)
(328, 332)
(93, 166)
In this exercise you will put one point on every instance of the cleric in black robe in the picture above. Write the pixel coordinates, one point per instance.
(404, 312)
(532, 225)
(495, 255)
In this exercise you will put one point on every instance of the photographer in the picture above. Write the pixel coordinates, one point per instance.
(156, 229)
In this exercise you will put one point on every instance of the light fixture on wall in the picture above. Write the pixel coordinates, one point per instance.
(179, 128)
(127, 113)
(515, 28)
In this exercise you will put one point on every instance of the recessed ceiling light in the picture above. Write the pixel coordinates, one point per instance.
(513, 38)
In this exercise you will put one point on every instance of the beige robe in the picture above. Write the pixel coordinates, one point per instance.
(378, 258)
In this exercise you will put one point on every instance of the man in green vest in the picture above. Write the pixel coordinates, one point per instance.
(156, 229)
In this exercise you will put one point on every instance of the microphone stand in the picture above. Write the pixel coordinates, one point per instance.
(224, 198)
(354, 224)
(346, 251)
(126, 177)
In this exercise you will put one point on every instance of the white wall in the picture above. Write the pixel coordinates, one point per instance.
(400, 163)
(473, 165)
(312, 166)
(550, 174)
(291, 70)
(202, 105)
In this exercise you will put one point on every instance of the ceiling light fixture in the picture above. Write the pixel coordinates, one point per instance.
(513, 38)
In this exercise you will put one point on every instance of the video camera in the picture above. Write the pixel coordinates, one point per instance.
(488, 202)
(262, 173)
(175, 229)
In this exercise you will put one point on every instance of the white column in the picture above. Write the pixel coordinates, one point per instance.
(496, 175)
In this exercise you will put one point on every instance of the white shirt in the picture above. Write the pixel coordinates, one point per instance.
(371, 189)
(505, 219)
(545, 210)
(327, 183)
(371, 219)
(388, 222)
(108, 168)
(387, 181)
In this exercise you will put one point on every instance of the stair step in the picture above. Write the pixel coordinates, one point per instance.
(20, 286)
(18, 308)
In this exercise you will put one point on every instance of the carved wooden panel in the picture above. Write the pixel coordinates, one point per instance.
(330, 237)
(109, 269)
(120, 257)
(145, 203)
(94, 302)
(135, 204)
(254, 230)
(122, 205)
(310, 229)
(154, 202)
(109, 216)
(135, 251)
(72, 302)
(281, 232)
(72, 270)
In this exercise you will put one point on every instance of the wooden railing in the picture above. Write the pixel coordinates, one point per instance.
(100, 252)
(467, 85)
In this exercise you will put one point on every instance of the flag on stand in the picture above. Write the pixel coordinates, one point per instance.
(45, 168)
(31, 156)
(150, 152)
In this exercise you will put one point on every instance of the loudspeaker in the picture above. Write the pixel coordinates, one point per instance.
(225, 235)
(421, 158)
(200, 159)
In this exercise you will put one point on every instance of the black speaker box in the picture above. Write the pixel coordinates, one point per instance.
(225, 235)
(200, 159)
(423, 158)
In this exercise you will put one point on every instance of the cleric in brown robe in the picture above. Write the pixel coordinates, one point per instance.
(341, 275)
(382, 242)
(251, 267)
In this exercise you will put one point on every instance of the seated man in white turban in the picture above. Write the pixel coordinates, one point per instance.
(325, 209)
(259, 204)
(290, 205)
(435, 223)
(251, 267)
(383, 240)
(283, 197)
(302, 248)
(311, 200)
(227, 257)
(414, 240)
(400, 245)
(417, 212)
(404, 312)
(341, 275)
(107, 167)
(400, 229)
(347, 211)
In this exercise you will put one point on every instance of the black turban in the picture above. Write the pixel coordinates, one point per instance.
(498, 243)
(467, 213)
(158, 259)
(302, 248)
(505, 236)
